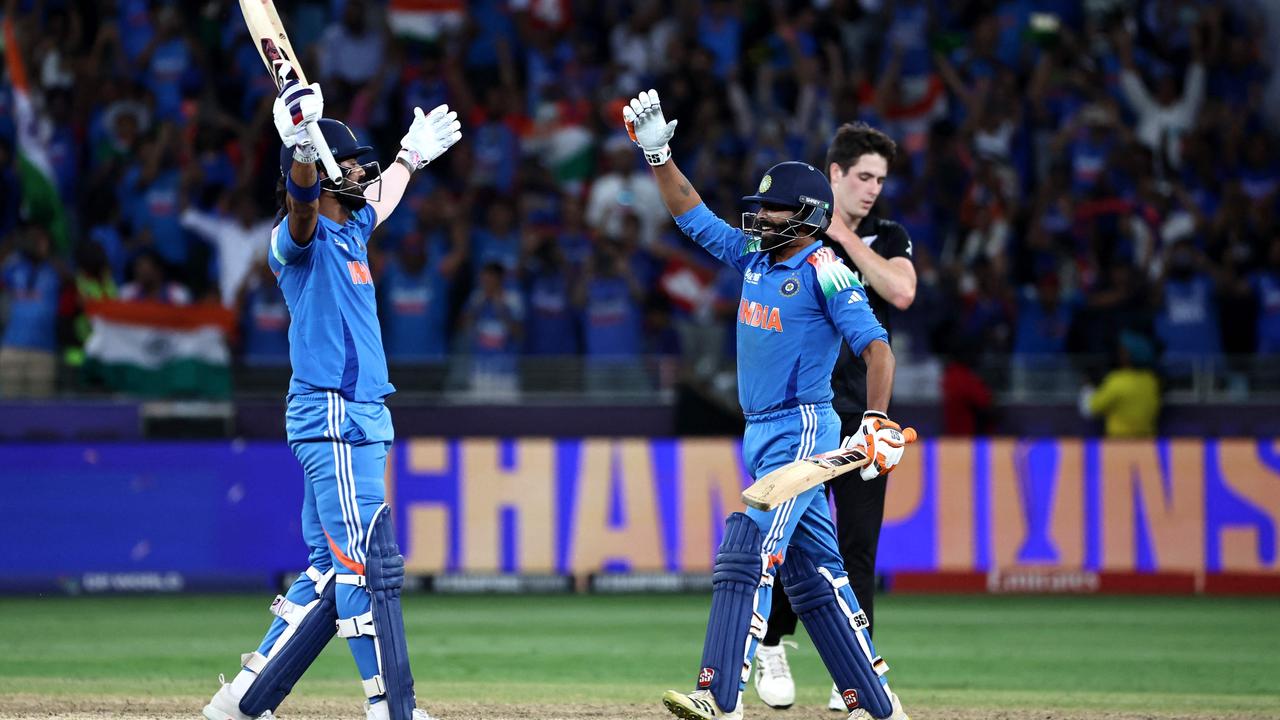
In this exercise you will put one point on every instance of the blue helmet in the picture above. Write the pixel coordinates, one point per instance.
(795, 185)
(344, 146)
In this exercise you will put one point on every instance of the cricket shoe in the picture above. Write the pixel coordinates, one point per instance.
(380, 711)
(226, 706)
(773, 676)
(862, 714)
(698, 705)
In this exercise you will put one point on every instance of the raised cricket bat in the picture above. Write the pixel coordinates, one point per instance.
(795, 477)
(274, 48)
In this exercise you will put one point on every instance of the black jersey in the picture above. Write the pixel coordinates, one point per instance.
(849, 379)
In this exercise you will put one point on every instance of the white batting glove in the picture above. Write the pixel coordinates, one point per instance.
(883, 441)
(648, 128)
(296, 106)
(429, 136)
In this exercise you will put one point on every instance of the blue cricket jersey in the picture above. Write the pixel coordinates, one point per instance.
(334, 339)
(791, 316)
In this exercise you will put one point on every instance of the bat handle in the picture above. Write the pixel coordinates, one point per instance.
(326, 157)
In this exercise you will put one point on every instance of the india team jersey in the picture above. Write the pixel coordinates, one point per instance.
(334, 339)
(791, 316)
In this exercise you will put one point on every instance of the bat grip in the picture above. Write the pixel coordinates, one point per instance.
(326, 157)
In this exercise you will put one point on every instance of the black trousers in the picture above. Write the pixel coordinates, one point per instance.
(859, 515)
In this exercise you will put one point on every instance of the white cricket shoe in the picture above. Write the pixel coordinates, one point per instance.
(380, 711)
(897, 714)
(773, 676)
(698, 705)
(226, 706)
(835, 702)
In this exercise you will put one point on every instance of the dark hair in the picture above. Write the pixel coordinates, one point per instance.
(853, 140)
(282, 208)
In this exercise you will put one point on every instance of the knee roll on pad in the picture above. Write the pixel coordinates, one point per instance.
(838, 632)
(740, 568)
(310, 628)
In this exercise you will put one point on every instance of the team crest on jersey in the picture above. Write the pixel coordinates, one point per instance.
(766, 182)
(790, 287)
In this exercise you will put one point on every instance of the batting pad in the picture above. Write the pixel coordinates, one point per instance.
(740, 569)
(308, 629)
(838, 632)
(384, 575)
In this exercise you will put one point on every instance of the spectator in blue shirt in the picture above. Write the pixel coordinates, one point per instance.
(151, 195)
(1187, 323)
(30, 285)
(1044, 318)
(265, 319)
(415, 286)
(611, 299)
(1266, 288)
(548, 287)
(498, 241)
(493, 322)
(168, 65)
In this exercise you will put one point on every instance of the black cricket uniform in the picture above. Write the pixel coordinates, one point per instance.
(859, 503)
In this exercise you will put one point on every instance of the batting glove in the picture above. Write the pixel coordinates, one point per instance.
(648, 128)
(429, 136)
(296, 106)
(883, 441)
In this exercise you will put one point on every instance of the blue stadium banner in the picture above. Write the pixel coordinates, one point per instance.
(136, 513)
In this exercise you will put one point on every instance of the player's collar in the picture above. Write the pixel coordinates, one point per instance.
(794, 261)
(867, 222)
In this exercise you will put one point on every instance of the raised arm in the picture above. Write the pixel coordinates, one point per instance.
(651, 131)
(428, 138)
(296, 107)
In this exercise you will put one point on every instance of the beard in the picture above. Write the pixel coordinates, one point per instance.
(351, 203)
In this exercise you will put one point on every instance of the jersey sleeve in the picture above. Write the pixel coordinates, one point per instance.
(845, 301)
(725, 242)
(284, 250)
(896, 242)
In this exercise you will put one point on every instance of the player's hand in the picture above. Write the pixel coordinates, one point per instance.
(296, 105)
(429, 136)
(884, 442)
(648, 128)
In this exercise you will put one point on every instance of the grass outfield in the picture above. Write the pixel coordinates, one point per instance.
(1178, 655)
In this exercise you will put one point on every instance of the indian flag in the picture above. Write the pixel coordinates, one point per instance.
(425, 19)
(156, 350)
(40, 202)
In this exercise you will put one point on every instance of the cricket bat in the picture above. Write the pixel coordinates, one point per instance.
(795, 477)
(274, 48)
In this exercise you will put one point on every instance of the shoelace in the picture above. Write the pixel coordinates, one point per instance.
(776, 664)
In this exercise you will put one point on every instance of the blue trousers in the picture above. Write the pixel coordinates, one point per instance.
(771, 441)
(343, 448)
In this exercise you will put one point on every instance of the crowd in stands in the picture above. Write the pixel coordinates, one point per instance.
(1068, 171)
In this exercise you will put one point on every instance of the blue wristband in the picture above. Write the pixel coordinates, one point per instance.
(299, 193)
